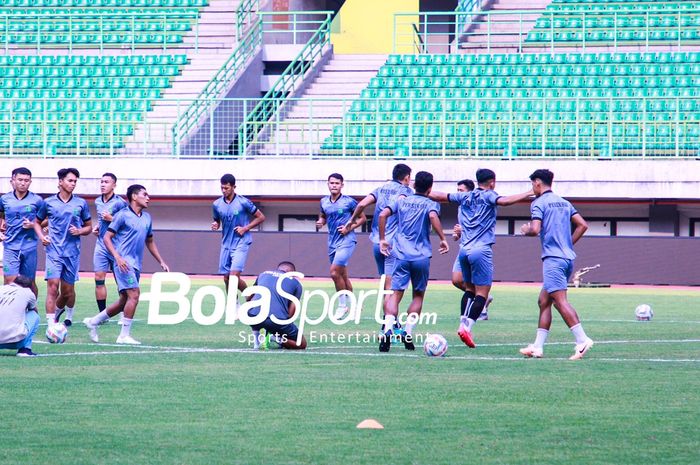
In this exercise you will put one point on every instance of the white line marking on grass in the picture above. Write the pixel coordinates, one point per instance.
(356, 354)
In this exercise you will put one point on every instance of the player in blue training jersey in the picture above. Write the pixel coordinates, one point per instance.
(235, 215)
(478, 210)
(415, 215)
(128, 233)
(551, 219)
(336, 210)
(382, 196)
(465, 185)
(18, 210)
(107, 205)
(69, 218)
(279, 335)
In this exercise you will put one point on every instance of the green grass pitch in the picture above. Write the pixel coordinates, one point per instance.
(194, 394)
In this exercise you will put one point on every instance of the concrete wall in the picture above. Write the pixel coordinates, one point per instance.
(629, 260)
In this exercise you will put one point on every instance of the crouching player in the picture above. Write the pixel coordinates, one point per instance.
(279, 335)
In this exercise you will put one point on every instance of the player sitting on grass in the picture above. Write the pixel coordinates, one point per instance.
(279, 335)
(552, 217)
(415, 214)
(19, 319)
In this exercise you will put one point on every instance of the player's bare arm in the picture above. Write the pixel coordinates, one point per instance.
(532, 228)
(383, 243)
(580, 227)
(513, 199)
(437, 196)
(437, 226)
(360, 208)
(82, 231)
(258, 218)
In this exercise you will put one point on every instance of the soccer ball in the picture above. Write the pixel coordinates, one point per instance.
(435, 345)
(644, 312)
(57, 334)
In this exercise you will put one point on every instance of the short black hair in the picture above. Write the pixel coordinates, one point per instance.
(468, 183)
(23, 281)
(336, 176)
(484, 175)
(133, 189)
(63, 172)
(545, 176)
(21, 170)
(400, 171)
(228, 178)
(111, 175)
(286, 264)
(423, 182)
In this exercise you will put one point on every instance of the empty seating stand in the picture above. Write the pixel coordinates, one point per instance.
(606, 104)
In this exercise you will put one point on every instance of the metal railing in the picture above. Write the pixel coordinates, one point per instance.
(467, 6)
(638, 127)
(161, 28)
(287, 27)
(292, 77)
(230, 71)
(547, 30)
(246, 16)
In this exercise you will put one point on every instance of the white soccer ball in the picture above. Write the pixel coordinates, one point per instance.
(435, 345)
(57, 333)
(644, 312)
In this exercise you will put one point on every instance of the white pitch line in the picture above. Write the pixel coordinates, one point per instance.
(352, 354)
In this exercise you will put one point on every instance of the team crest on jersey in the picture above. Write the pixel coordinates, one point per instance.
(76, 211)
(28, 208)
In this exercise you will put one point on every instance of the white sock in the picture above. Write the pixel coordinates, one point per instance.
(126, 327)
(51, 319)
(389, 321)
(541, 338)
(100, 318)
(343, 301)
(409, 328)
(469, 323)
(463, 320)
(256, 339)
(69, 313)
(579, 333)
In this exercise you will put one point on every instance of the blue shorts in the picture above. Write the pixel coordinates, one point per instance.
(63, 268)
(31, 323)
(385, 265)
(102, 260)
(477, 265)
(456, 267)
(22, 262)
(289, 330)
(127, 279)
(415, 271)
(556, 273)
(233, 259)
(341, 255)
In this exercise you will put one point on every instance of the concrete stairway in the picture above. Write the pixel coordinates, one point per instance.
(208, 46)
(303, 125)
(505, 31)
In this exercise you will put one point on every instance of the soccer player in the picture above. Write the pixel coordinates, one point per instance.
(478, 215)
(235, 215)
(336, 210)
(19, 319)
(415, 214)
(465, 185)
(552, 217)
(69, 218)
(279, 335)
(18, 210)
(381, 197)
(129, 231)
(107, 205)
